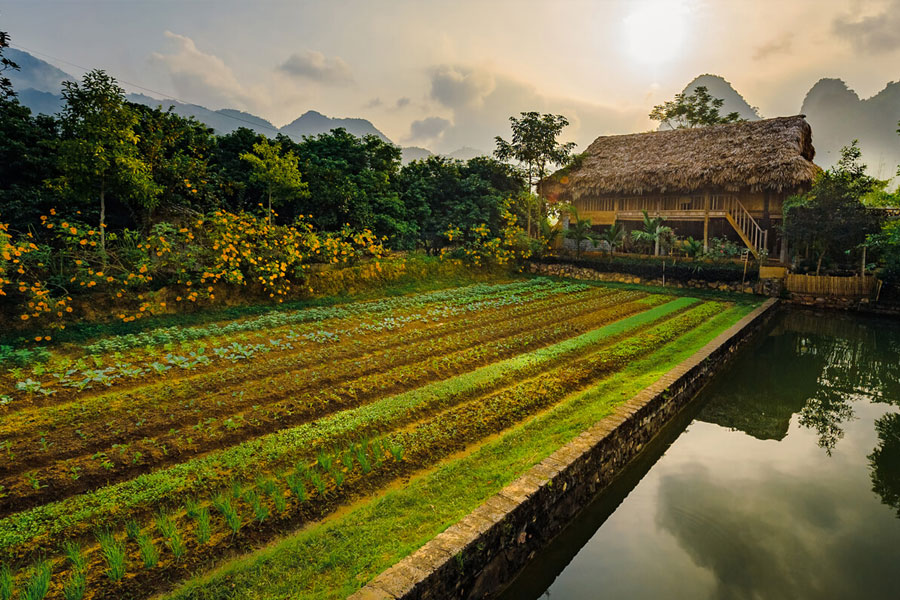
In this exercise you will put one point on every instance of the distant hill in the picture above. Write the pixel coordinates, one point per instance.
(467, 152)
(837, 116)
(314, 123)
(38, 84)
(411, 153)
(34, 73)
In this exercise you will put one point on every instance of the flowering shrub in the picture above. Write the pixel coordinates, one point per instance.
(479, 247)
(192, 257)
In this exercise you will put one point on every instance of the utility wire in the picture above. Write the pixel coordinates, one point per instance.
(165, 96)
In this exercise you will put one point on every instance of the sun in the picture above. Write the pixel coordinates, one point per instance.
(655, 31)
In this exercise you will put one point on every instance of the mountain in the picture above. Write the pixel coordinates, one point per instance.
(38, 84)
(34, 73)
(467, 152)
(838, 116)
(718, 87)
(314, 123)
(411, 153)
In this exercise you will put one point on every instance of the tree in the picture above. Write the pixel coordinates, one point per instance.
(653, 232)
(6, 88)
(831, 219)
(351, 180)
(613, 237)
(98, 154)
(580, 231)
(176, 151)
(533, 145)
(698, 109)
(278, 173)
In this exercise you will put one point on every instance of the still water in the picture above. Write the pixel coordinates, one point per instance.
(782, 482)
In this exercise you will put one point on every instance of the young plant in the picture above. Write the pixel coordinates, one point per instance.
(347, 459)
(113, 552)
(132, 529)
(75, 554)
(149, 553)
(38, 584)
(317, 482)
(6, 583)
(270, 489)
(362, 457)
(75, 585)
(204, 529)
(295, 484)
(232, 518)
(324, 461)
(169, 531)
(396, 450)
(260, 509)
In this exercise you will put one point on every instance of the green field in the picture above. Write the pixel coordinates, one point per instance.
(336, 438)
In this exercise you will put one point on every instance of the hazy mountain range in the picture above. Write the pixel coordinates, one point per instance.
(837, 116)
(835, 112)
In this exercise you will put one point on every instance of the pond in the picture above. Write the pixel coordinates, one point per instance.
(781, 481)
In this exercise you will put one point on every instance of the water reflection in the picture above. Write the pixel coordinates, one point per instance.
(884, 461)
(776, 489)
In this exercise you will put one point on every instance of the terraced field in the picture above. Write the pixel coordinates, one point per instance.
(134, 462)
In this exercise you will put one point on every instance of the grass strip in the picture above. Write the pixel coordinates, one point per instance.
(43, 525)
(335, 558)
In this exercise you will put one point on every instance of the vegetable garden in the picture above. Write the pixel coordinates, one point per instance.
(134, 461)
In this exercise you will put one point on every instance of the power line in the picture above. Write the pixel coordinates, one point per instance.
(158, 93)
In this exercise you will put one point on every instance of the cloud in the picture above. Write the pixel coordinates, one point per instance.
(374, 103)
(402, 102)
(781, 45)
(873, 34)
(456, 87)
(315, 66)
(428, 129)
(480, 102)
(200, 77)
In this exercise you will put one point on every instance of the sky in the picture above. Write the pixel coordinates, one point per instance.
(445, 74)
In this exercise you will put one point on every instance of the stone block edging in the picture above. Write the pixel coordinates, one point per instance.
(485, 550)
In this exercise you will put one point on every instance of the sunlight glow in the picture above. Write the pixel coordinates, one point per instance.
(655, 31)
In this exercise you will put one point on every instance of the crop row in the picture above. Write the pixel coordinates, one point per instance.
(134, 413)
(38, 527)
(143, 451)
(67, 380)
(431, 439)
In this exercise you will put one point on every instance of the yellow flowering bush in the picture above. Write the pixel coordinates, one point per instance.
(479, 247)
(193, 258)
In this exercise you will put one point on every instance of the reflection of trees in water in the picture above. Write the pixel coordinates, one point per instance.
(813, 365)
(825, 412)
(884, 462)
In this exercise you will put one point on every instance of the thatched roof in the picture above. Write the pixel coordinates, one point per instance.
(770, 154)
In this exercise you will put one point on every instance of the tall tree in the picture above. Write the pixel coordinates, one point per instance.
(831, 219)
(534, 146)
(279, 173)
(6, 88)
(697, 109)
(98, 154)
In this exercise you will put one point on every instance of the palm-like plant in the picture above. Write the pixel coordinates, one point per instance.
(692, 248)
(613, 237)
(652, 233)
(549, 233)
(580, 231)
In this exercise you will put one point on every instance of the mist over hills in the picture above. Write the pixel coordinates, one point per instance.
(837, 116)
(836, 113)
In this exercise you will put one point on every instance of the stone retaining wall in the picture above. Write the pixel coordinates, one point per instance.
(479, 555)
(575, 272)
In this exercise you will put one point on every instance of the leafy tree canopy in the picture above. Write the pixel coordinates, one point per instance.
(697, 109)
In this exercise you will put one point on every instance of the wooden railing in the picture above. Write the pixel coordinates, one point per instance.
(754, 236)
(827, 285)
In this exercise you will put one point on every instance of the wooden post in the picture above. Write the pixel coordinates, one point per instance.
(706, 221)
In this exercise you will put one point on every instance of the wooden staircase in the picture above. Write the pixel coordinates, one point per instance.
(755, 237)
